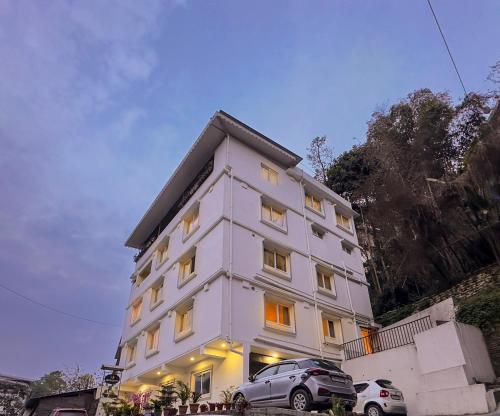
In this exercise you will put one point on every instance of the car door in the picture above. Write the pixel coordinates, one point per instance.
(258, 391)
(286, 377)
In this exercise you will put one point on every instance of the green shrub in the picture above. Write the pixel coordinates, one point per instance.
(482, 310)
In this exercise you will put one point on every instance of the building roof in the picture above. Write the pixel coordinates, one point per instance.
(220, 125)
(16, 378)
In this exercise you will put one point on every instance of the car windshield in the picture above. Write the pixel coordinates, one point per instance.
(314, 362)
(386, 384)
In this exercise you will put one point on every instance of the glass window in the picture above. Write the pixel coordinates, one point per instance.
(276, 260)
(131, 350)
(343, 220)
(143, 274)
(190, 223)
(135, 312)
(156, 293)
(329, 328)
(317, 232)
(187, 267)
(277, 313)
(360, 387)
(184, 321)
(273, 214)
(269, 174)
(316, 362)
(325, 281)
(161, 253)
(202, 382)
(153, 338)
(313, 202)
(266, 372)
(386, 384)
(283, 368)
(346, 248)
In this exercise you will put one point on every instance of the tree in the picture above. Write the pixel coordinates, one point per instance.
(320, 155)
(50, 383)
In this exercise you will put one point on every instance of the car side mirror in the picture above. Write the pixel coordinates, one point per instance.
(251, 378)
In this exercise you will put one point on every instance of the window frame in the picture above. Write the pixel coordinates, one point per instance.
(277, 326)
(267, 173)
(190, 222)
(313, 198)
(130, 358)
(190, 258)
(337, 329)
(154, 333)
(194, 374)
(161, 253)
(134, 319)
(317, 231)
(154, 289)
(287, 274)
(273, 209)
(325, 273)
(140, 274)
(340, 224)
(179, 313)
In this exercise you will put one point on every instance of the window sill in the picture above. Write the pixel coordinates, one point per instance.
(347, 230)
(277, 272)
(186, 236)
(182, 282)
(333, 341)
(155, 305)
(280, 329)
(151, 353)
(181, 336)
(271, 224)
(327, 292)
(135, 322)
(320, 213)
(129, 365)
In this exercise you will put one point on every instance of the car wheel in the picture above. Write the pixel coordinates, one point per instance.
(374, 410)
(300, 400)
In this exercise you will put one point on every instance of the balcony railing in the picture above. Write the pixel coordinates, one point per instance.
(386, 339)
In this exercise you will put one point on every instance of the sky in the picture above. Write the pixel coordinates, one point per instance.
(99, 101)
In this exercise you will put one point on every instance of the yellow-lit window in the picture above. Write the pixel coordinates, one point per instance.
(153, 339)
(277, 313)
(313, 202)
(343, 220)
(131, 351)
(135, 312)
(191, 223)
(276, 260)
(325, 281)
(273, 214)
(184, 321)
(332, 330)
(156, 294)
(269, 174)
(161, 253)
(187, 268)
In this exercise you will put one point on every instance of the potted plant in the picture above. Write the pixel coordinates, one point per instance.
(226, 396)
(212, 406)
(219, 406)
(194, 405)
(241, 404)
(203, 407)
(163, 401)
(183, 392)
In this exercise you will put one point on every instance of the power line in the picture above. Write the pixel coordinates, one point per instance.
(50, 308)
(447, 47)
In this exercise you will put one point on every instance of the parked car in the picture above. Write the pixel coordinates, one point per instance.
(378, 397)
(299, 383)
(68, 412)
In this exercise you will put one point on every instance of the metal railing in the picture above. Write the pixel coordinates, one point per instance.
(386, 339)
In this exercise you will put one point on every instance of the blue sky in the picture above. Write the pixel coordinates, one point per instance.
(100, 100)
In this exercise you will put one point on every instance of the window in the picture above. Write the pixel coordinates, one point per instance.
(347, 248)
(143, 274)
(156, 294)
(266, 372)
(332, 330)
(202, 381)
(186, 268)
(276, 260)
(184, 322)
(135, 311)
(279, 315)
(361, 387)
(191, 223)
(273, 215)
(153, 339)
(317, 231)
(318, 362)
(325, 281)
(269, 174)
(313, 202)
(130, 353)
(283, 368)
(343, 221)
(162, 253)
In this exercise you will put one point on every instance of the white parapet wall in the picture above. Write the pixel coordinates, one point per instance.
(441, 374)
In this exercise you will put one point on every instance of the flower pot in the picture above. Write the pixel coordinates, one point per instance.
(157, 412)
(170, 411)
(212, 406)
(193, 408)
(204, 408)
(183, 409)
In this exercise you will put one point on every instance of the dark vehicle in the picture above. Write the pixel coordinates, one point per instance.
(301, 384)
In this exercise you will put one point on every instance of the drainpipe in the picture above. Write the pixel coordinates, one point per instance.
(230, 301)
(350, 300)
(311, 267)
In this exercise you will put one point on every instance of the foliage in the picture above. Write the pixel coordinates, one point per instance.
(163, 398)
(482, 310)
(426, 186)
(120, 407)
(63, 381)
(183, 391)
(227, 394)
(320, 156)
(338, 408)
(195, 396)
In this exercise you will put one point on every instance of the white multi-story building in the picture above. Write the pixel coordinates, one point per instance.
(244, 259)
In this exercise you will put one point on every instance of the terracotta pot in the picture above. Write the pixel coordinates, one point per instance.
(212, 406)
(193, 408)
(204, 408)
(171, 411)
(183, 409)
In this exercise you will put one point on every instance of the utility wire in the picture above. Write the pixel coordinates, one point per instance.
(50, 308)
(447, 47)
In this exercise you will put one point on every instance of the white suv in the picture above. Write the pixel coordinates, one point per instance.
(377, 397)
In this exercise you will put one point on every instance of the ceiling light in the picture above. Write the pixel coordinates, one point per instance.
(158, 372)
(192, 358)
(275, 355)
(223, 345)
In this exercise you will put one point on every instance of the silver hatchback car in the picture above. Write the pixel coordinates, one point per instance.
(379, 397)
(300, 384)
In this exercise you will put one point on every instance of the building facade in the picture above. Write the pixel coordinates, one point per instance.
(244, 260)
